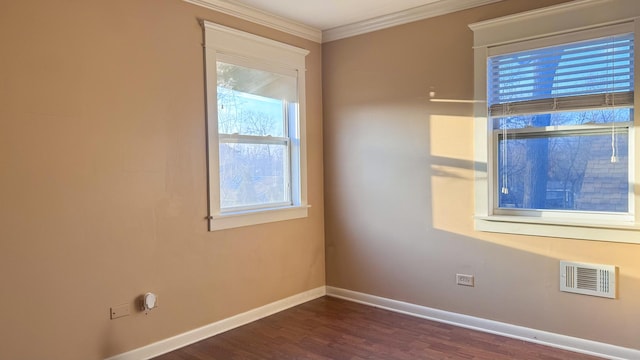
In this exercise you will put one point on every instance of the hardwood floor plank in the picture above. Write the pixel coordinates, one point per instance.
(334, 329)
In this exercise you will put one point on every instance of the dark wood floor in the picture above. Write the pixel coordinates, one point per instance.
(329, 328)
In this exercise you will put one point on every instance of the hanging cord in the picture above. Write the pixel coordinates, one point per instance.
(505, 177)
(614, 143)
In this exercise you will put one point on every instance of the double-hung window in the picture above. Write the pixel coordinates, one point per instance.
(255, 109)
(560, 120)
(555, 136)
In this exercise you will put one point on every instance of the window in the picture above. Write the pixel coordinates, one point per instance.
(255, 110)
(561, 117)
(555, 133)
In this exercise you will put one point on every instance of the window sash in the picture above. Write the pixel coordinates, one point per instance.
(618, 128)
(262, 140)
(285, 140)
(286, 166)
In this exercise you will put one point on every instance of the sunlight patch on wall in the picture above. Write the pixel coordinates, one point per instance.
(451, 136)
(451, 155)
(452, 199)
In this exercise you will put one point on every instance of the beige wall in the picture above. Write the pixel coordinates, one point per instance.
(103, 182)
(399, 190)
(103, 185)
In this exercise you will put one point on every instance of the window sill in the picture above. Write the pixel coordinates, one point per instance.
(624, 232)
(255, 217)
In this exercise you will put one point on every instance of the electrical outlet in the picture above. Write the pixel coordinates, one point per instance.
(464, 280)
(119, 311)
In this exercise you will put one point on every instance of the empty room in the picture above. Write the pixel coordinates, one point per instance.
(252, 179)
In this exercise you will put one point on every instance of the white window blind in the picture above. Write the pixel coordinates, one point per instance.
(577, 76)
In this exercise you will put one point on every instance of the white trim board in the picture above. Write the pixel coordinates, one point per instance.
(218, 327)
(564, 342)
(430, 10)
(553, 20)
(260, 17)
(289, 26)
(489, 326)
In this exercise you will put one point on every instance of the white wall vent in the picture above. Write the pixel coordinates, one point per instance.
(588, 279)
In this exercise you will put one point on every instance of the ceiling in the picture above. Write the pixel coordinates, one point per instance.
(329, 14)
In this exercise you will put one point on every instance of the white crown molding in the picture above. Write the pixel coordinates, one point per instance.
(559, 341)
(536, 13)
(260, 17)
(437, 8)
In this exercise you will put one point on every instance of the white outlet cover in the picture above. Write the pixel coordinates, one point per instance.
(465, 280)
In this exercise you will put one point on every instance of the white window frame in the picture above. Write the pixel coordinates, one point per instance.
(241, 48)
(564, 23)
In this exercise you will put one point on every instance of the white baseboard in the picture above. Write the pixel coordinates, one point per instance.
(494, 327)
(190, 337)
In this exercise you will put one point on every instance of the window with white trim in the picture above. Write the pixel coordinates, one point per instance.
(555, 134)
(255, 110)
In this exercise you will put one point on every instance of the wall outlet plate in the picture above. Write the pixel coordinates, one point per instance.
(119, 311)
(464, 280)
